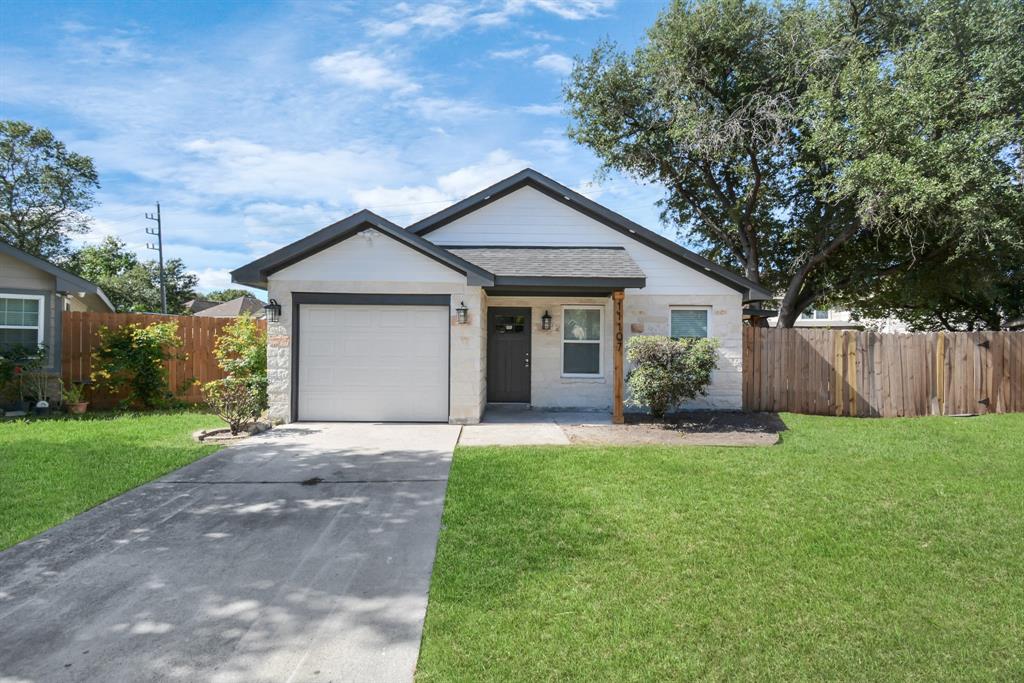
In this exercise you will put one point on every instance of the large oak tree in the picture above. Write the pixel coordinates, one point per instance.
(826, 150)
(45, 191)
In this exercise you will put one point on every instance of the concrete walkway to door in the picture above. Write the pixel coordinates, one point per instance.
(303, 554)
(514, 425)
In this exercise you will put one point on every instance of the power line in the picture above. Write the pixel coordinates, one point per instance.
(159, 247)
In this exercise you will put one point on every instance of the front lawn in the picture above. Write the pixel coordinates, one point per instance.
(855, 550)
(51, 470)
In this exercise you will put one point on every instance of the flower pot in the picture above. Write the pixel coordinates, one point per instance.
(42, 408)
(78, 408)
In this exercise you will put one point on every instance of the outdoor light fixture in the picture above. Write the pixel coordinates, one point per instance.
(462, 313)
(273, 310)
(545, 321)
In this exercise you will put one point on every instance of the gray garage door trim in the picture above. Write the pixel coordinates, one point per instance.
(356, 299)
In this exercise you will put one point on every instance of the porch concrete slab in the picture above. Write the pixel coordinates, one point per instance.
(505, 425)
(514, 434)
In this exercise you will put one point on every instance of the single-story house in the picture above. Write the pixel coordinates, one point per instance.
(234, 308)
(34, 295)
(193, 306)
(522, 293)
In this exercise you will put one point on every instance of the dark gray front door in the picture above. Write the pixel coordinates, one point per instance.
(508, 355)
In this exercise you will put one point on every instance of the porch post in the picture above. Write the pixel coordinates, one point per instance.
(617, 399)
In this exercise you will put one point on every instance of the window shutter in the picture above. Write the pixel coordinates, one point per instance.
(689, 323)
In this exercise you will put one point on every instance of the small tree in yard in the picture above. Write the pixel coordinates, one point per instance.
(241, 351)
(668, 371)
(237, 400)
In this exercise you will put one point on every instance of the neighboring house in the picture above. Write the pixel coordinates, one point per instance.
(34, 294)
(234, 308)
(509, 296)
(194, 306)
(843, 320)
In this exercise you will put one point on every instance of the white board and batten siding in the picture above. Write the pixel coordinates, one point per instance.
(369, 256)
(529, 217)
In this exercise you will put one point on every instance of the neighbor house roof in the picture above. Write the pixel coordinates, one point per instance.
(196, 305)
(554, 266)
(255, 274)
(65, 281)
(531, 178)
(234, 308)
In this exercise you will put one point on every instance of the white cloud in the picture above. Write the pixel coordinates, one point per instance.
(465, 181)
(573, 10)
(446, 108)
(437, 17)
(364, 71)
(555, 63)
(541, 109)
(518, 53)
(237, 167)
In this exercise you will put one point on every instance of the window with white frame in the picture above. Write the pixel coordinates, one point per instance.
(688, 323)
(815, 314)
(581, 341)
(21, 321)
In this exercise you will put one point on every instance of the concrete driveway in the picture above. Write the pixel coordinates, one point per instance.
(232, 569)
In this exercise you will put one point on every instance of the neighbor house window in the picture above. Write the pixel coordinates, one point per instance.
(581, 341)
(689, 323)
(815, 314)
(21, 321)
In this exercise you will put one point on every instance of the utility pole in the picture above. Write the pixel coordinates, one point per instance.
(158, 247)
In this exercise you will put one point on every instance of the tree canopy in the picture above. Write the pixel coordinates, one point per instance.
(131, 284)
(45, 191)
(225, 294)
(831, 151)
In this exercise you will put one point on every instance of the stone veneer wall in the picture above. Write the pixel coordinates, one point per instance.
(465, 362)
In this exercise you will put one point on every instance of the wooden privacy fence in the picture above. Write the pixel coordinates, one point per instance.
(868, 374)
(80, 335)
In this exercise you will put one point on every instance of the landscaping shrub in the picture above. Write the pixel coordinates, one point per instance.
(669, 371)
(241, 348)
(237, 400)
(132, 358)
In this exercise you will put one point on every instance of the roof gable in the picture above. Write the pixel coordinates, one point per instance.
(558, 192)
(65, 280)
(255, 273)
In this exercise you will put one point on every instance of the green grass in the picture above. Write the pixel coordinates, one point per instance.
(855, 550)
(51, 470)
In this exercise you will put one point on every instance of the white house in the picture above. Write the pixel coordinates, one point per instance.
(522, 293)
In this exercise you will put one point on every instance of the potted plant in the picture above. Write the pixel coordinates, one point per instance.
(74, 395)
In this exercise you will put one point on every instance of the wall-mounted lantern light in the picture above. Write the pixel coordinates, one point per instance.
(273, 310)
(462, 313)
(545, 321)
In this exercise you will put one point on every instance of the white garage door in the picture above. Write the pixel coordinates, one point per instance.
(373, 363)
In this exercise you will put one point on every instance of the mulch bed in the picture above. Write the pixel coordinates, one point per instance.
(695, 428)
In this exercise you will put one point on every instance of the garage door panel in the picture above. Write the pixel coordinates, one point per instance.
(373, 363)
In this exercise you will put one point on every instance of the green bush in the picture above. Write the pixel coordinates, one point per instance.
(668, 371)
(132, 358)
(241, 348)
(237, 400)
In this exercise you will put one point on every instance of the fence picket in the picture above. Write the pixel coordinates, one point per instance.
(841, 372)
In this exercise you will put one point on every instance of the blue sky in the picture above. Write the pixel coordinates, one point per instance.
(255, 123)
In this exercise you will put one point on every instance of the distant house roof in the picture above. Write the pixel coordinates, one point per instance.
(235, 308)
(527, 265)
(66, 281)
(196, 305)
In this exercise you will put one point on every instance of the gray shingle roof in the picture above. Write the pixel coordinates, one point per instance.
(561, 262)
(234, 308)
